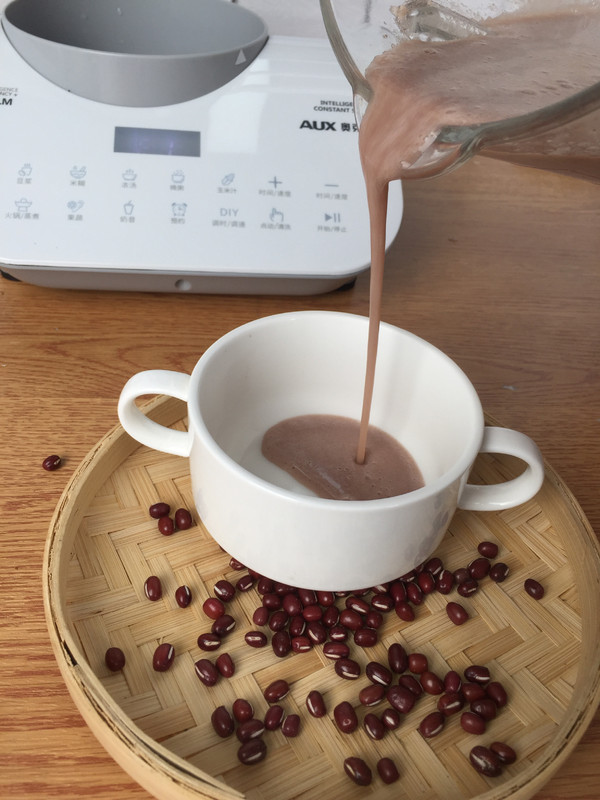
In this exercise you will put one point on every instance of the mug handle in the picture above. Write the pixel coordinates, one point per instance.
(513, 492)
(145, 430)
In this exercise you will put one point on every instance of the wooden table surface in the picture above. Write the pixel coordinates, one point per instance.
(498, 266)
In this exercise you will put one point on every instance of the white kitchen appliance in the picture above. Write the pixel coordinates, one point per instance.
(128, 162)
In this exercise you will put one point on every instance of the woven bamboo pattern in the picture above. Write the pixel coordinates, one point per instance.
(536, 649)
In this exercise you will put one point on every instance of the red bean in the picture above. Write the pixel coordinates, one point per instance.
(153, 588)
(336, 650)
(417, 663)
(351, 619)
(485, 761)
(473, 691)
(260, 616)
(316, 632)
(236, 565)
(291, 603)
(291, 726)
(183, 596)
(382, 602)
(479, 568)
(388, 772)
(222, 722)
(488, 549)
(476, 673)
(209, 641)
(452, 681)
(431, 683)
(225, 665)
(472, 722)
(245, 583)
(373, 619)
(485, 707)
(457, 613)
(213, 607)
(391, 718)
(432, 724)
(338, 633)
(497, 692)
(252, 751)
(256, 638)
(163, 657)
(414, 593)
(326, 599)
(404, 611)
(467, 588)
(183, 519)
(281, 643)
(426, 582)
(374, 726)
(534, 589)
(272, 601)
(358, 771)
(499, 572)
(206, 671)
(278, 620)
(365, 637)
(223, 625)
(461, 575)
(503, 752)
(331, 616)
(371, 695)
(166, 526)
(397, 658)
(345, 717)
(445, 582)
(265, 586)
(250, 729)
(114, 658)
(51, 463)
(411, 683)
(450, 703)
(274, 717)
(397, 591)
(276, 691)
(379, 674)
(401, 698)
(158, 510)
(347, 668)
(316, 704)
(242, 709)
(297, 626)
(224, 590)
(301, 644)
(434, 566)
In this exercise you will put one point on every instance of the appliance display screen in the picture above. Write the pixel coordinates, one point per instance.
(156, 141)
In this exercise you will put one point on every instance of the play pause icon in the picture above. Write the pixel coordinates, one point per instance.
(336, 217)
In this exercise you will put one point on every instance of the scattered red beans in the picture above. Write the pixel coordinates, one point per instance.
(417, 663)
(372, 694)
(457, 614)
(222, 722)
(388, 772)
(347, 668)
(153, 588)
(316, 704)
(250, 729)
(226, 666)
(499, 572)
(166, 526)
(450, 703)
(485, 761)
(276, 691)
(242, 709)
(431, 683)
(401, 698)
(345, 717)
(274, 717)
(534, 589)
(213, 607)
(252, 751)
(397, 658)
(377, 673)
(223, 625)
(373, 726)
(114, 658)
(51, 463)
(281, 643)
(477, 673)
(479, 568)
(432, 724)
(472, 722)
(358, 771)
(256, 638)
(503, 752)
(488, 549)
(206, 671)
(497, 692)
(159, 510)
(290, 727)
(163, 657)
(183, 596)
(183, 519)
(209, 641)
(224, 590)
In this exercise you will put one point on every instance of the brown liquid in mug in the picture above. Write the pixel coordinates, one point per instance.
(521, 65)
(319, 450)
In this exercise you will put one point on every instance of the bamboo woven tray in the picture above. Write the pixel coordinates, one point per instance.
(102, 545)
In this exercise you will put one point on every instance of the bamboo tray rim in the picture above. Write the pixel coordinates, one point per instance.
(160, 771)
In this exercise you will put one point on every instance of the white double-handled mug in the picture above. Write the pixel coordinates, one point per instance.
(312, 362)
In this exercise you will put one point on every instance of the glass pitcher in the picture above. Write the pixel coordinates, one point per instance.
(557, 128)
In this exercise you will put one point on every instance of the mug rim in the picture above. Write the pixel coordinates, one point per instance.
(200, 429)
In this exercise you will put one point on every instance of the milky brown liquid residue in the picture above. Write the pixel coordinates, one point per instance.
(318, 450)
